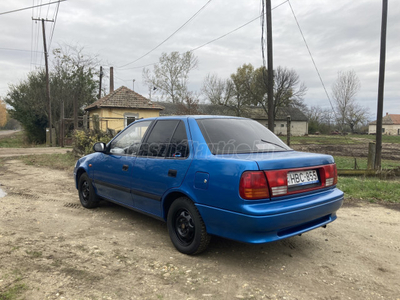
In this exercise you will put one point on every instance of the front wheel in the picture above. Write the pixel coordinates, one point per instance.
(186, 228)
(87, 196)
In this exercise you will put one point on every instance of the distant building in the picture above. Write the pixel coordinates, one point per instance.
(390, 125)
(120, 108)
(299, 121)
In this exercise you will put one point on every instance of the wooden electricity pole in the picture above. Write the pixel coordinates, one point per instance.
(381, 85)
(47, 78)
(270, 82)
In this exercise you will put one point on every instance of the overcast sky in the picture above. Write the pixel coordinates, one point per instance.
(342, 35)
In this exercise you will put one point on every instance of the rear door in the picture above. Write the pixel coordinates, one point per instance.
(162, 163)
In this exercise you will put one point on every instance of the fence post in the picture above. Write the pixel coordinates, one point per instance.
(96, 123)
(371, 155)
(289, 122)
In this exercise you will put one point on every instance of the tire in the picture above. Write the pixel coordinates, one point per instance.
(186, 228)
(87, 196)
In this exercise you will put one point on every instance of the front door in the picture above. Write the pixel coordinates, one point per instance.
(112, 176)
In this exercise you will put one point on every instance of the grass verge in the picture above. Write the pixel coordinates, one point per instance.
(347, 162)
(16, 140)
(373, 190)
(55, 161)
(339, 139)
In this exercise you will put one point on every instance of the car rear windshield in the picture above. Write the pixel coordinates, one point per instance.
(234, 136)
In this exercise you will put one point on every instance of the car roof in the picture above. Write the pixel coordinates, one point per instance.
(196, 117)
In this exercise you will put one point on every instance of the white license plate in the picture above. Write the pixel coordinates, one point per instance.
(302, 178)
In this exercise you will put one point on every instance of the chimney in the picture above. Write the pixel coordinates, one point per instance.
(111, 79)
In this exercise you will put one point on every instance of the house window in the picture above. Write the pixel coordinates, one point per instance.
(282, 125)
(383, 130)
(130, 118)
(398, 131)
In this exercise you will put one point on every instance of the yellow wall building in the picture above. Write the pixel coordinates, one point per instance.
(120, 108)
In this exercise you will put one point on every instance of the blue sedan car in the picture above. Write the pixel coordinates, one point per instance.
(212, 175)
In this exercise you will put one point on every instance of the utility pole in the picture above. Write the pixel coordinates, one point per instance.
(381, 85)
(47, 77)
(101, 78)
(133, 85)
(270, 82)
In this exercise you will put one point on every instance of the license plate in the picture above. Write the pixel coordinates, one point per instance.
(302, 178)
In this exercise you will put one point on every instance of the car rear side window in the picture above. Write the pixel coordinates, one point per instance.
(178, 147)
(159, 138)
(234, 136)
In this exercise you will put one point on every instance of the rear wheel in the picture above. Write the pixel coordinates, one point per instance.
(87, 196)
(186, 227)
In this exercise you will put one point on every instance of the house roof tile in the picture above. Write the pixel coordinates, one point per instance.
(389, 119)
(124, 98)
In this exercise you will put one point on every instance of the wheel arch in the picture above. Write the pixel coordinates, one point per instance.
(79, 173)
(169, 199)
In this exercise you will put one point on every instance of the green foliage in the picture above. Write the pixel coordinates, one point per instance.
(248, 86)
(29, 106)
(84, 140)
(71, 81)
(370, 189)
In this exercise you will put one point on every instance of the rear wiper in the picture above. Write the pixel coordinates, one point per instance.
(268, 142)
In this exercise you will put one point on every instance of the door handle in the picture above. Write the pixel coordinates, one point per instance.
(125, 168)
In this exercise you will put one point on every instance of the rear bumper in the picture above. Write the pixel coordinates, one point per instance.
(274, 222)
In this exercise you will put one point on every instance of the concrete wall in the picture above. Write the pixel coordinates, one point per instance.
(116, 118)
(389, 129)
(299, 128)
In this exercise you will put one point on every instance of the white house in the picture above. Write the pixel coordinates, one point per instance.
(390, 125)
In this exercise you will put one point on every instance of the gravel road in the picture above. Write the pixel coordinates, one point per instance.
(52, 248)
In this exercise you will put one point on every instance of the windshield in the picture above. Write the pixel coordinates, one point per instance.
(234, 136)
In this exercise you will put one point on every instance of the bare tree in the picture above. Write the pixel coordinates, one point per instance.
(189, 106)
(344, 92)
(222, 92)
(288, 91)
(171, 75)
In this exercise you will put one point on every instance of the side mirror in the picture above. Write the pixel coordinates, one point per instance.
(99, 147)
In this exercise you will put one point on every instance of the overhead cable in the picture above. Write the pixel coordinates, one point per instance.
(25, 8)
(184, 24)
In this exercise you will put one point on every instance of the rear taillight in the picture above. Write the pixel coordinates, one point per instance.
(277, 181)
(253, 185)
(330, 174)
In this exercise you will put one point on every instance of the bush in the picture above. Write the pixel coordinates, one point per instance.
(83, 141)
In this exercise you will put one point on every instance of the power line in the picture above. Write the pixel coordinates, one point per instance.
(312, 58)
(34, 6)
(22, 50)
(216, 39)
(54, 25)
(184, 24)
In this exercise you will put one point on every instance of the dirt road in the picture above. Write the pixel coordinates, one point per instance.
(51, 248)
(10, 152)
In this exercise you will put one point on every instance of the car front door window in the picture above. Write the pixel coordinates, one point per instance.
(128, 142)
